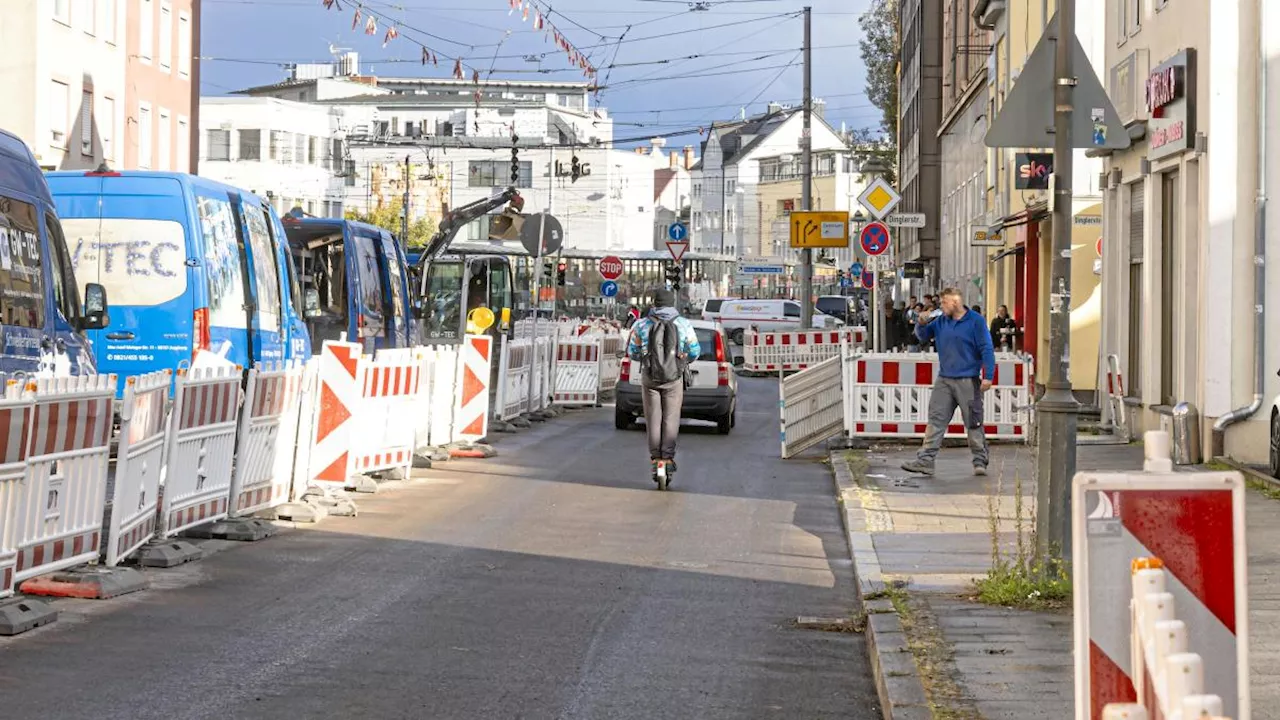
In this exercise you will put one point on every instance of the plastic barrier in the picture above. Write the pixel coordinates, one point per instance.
(267, 436)
(610, 362)
(53, 510)
(444, 383)
(792, 349)
(810, 406)
(384, 438)
(308, 407)
(887, 395)
(543, 363)
(331, 435)
(577, 371)
(202, 445)
(135, 492)
(514, 370)
(472, 412)
(1115, 397)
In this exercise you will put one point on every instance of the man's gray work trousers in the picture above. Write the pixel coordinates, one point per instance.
(948, 394)
(662, 417)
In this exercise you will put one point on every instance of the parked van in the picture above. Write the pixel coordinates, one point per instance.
(354, 280)
(41, 319)
(738, 316)
(190, 264)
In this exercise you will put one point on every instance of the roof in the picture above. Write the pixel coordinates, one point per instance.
(754, 131)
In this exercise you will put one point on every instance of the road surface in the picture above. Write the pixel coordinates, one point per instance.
(550, 582)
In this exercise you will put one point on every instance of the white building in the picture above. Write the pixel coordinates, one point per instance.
(672, 187)
(62, 69)
(289, 151)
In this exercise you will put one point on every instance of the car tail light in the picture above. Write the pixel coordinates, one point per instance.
(720, 347)
(624, 373)
(199, 331)
(722, 374)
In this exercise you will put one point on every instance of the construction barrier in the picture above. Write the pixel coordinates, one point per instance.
(810, 405)
(887, 395)
(267, 436)
(308, 408)
(53, 483)
(611, 349)
(794, 349)
(1115, 398)
(577, 371)
(515, 369)
(202, 446)
(384, 438)
(135, 487)
(544, 359)
(471, 421)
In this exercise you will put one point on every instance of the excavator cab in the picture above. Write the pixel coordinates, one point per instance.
(460, 284)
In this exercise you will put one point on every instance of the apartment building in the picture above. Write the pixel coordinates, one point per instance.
(161, 84)
(920, 116)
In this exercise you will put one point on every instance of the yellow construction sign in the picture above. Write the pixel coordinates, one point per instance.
(826, 229)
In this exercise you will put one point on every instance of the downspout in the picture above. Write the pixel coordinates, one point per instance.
(1259, 247)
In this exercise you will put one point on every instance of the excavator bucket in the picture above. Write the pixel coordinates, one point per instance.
(506, 225)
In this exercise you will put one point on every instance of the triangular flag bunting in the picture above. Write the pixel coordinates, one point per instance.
(355, 22)
(426, 55)
(371, 26)
(392, 34)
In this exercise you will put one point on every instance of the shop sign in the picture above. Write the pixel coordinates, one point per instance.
(1170, 97)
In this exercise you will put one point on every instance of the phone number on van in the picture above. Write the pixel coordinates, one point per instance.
(132, 356)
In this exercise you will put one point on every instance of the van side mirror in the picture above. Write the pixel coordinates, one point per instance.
(95, 307)
(311, 303)
(739, 360)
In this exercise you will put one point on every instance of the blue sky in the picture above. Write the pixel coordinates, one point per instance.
(750, 50)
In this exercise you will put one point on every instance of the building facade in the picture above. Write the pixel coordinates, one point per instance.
(920, 116)
(63, 68)
(161, 94)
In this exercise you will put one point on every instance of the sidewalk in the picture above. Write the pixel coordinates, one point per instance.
(932, 536)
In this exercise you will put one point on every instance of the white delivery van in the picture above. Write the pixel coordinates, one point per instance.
(738, 316)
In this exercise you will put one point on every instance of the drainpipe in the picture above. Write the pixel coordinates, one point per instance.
(1259, 247)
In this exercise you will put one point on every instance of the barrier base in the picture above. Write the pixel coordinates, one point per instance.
(238, 529)
(472, 450)
(433, 454)
(88, 583)
(521, 423)
(20, 614)
(540, 416)
(168, 553)
(392, 475)
(361, 484)
(421, 462)
(502, 427)
(338, 505)
(299, 512)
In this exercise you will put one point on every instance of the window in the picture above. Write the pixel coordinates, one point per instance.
(184, 145)
(223, 254)
(86, 122)
(349, 173)
(300, 148)
(84, 16)
(335, 156)
(165, 147)
(144, 136)
(146, 30)
(697, 220)
(370, 300)
(1135, 12)
(1170, 228)
(697, 189)
(312, 145)
(184, 43)
(266, 274)
(107, 20)
(62, 11)
(65, 295)
(282, 146)
(219, 142)
(791, 309)
(497, 173)
(21, 279)
(166, 36)
(250, 145)
(58, 112)
(1136, 216)
(107, 127)
(730, 186)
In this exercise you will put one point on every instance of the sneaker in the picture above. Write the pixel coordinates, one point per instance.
(979, 470)
(916, 466)
(671, 466)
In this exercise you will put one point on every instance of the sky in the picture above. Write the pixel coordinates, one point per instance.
(748, 51)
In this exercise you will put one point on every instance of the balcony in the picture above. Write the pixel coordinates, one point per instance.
(987, 13)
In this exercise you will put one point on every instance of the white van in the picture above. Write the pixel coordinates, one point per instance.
(711, 309)
(738, 316)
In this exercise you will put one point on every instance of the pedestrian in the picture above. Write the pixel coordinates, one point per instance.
(966, 365)
(977, 310)
(1003, 328)
(892, 332)
(663, 343)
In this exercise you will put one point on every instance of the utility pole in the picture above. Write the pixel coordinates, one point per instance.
(1058, 410)
(806, 174)
(404, 221)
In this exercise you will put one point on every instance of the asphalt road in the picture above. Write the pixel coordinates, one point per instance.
(552, 581)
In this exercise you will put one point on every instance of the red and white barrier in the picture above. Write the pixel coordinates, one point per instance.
(544, 359)
(514, 370)
(135, 495)
(887, 395)
(577, 371)
(471, 419)
(267, 437)
(794, 349)
(1161, 603)
(610, 361)
(384, 438)
(52, 516)
(202, 446)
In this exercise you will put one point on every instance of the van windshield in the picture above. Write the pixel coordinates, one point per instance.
(444, 293)
(139, 262)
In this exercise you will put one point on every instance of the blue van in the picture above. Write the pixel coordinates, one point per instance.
(41, 318)
(191, 264)
(354, 280)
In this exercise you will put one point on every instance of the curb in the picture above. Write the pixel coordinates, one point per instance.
(893, 667)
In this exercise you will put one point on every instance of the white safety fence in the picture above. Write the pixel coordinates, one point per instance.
(202, 445)
(611, 348)
(790, 350)
(266, 439)
(514, 377)
(135, 490)
(577, 371)
(810, 406)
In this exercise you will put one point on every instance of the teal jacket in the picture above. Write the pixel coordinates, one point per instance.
(638, 342)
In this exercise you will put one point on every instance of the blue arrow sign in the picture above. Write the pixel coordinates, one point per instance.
(855, 269)
(678, 232)
(609, 288)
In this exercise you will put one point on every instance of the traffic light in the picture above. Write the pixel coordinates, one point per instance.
(560, 269)
(673, 274)
(515, 159)
(546, 270)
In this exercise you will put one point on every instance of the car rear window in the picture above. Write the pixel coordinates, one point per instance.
(712, 306)
(141, 262)
(707, 342)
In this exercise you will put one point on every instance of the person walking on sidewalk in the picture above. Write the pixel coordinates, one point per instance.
(966, 365)
(663, 343)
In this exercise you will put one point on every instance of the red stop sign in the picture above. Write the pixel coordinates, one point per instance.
(1098, 246)
(611, 267)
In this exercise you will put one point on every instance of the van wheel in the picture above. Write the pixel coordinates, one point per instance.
(725, 424)
(736, 336)
(622, 421)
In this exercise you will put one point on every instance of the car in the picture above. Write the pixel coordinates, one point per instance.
(712, 397)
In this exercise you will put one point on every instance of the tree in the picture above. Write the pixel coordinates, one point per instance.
(868, 144)
(389, 216)
(879, 48)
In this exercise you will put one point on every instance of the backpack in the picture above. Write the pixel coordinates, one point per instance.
(662, 363)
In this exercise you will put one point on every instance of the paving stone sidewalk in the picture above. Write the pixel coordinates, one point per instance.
(935, 534)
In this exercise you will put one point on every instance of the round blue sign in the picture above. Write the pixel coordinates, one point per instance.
(609, 288)
(678, 232)
(855, 269)
(868, 279)
(874, 238)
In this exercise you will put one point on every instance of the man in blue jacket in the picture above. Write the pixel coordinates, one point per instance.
(966, 365)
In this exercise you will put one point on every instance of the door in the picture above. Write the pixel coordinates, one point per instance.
(267, 290)
(397, 285)
(227, 311)
(69, 347)
(367, 291)
(297, 337)
(22, 285)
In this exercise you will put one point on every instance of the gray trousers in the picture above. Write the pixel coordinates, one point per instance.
(948, 394)
(662, 417)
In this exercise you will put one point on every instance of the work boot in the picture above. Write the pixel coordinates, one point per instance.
(979, 469)
(918, 466)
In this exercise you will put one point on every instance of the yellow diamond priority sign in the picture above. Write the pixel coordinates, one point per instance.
(879, 198)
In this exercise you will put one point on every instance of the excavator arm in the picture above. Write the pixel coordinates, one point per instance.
(457, 218)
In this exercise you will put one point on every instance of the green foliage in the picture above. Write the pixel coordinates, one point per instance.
(879, 47)
(389, 217)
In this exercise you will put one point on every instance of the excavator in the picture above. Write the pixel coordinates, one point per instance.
(451, 278)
